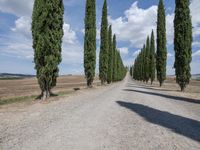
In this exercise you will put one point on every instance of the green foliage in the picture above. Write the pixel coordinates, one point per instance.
(161, 56)
(110, 56)
(144, 65)
(119, 70)
(90, 41)
(139, 66)
(47, 33)
(114, 59)
(152, 59)
(17, 100)
(103, 56)
(182, 43)
(147, 61)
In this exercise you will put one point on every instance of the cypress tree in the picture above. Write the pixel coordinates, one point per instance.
(143, 59)
(47, 33)
(152, 58)
(110, 56)
(90, 41)
(147, 60)
(114, 58)
(161, 57)
(103, 57)
(182, 43)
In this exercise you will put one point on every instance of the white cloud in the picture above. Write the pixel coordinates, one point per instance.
(169, 54)
(136, 53)
(135, 25)
(19, 43)
(196, 54)
(18, 49)
(195, 67)
(196, 44)
(128, 62)
(195, 11)
(23, 26)
(124, 50)
(170, 28)
(17, 7)
(72, 53)
(69, 35)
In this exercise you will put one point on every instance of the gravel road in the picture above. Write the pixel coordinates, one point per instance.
(122, 116)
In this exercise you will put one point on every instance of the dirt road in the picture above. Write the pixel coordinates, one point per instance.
(123, 116)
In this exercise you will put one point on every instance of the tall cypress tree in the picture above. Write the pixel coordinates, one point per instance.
(47, 33)
(147, 60)
(152, 58)
(90, 41)
(161, 56)
(110, 56)
(182, 43)
(114, 58)
(143, 59)
(103, 57)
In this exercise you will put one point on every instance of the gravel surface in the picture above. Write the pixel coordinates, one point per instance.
(122, 116)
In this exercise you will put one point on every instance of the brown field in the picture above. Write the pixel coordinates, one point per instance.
(192, 91)
(29, 86)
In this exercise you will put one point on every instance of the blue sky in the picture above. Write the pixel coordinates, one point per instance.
(132, 22)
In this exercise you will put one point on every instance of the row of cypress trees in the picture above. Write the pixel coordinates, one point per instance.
(145, 63)
(144, 68)
(111, 67)
(47, 33)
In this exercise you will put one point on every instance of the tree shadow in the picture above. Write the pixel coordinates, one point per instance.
(184, 126)
(149, 88)
(177, 98)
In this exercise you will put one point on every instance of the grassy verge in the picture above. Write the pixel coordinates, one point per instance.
(28, 98)
(13, 78)
(17, 99)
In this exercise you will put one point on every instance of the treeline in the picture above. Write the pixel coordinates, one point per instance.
(145, 63)
(111, 67)
(150, 64)
(47, 33)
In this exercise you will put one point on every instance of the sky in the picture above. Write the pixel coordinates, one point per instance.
(132, 22)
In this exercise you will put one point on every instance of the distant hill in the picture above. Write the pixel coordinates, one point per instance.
(196, 76)
(14, 76)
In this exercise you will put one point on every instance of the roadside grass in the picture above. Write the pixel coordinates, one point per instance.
(12, 78)
(30, 98)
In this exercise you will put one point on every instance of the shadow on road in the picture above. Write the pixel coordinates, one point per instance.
(184, 126)
(149, 88)
(177, 98)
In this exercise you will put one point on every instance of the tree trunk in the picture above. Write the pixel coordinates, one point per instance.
(89, 84)
(45, 95)
(182, 89)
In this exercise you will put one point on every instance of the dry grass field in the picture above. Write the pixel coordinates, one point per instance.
(29, 86)
(20, 89)
(170, 87)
